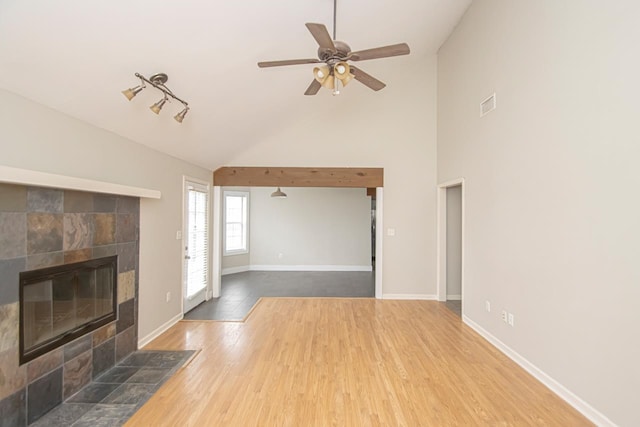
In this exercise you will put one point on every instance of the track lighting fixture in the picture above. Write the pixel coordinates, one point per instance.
(157, 81)
(131, 92)
(158, 105)
(180, 116)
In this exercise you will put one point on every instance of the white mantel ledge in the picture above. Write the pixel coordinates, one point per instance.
(12, 175)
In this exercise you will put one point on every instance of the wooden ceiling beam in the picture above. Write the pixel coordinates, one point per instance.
(229, 176)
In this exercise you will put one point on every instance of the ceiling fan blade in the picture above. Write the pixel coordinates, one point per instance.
(322, 36)
(366, 79)
(266, 64)
(381, 52)
(313, 88)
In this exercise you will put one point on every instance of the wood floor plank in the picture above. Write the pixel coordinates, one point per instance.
(346, 362)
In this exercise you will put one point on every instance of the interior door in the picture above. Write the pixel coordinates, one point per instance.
(196, 249)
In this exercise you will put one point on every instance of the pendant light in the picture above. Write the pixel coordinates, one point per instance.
(279, 194)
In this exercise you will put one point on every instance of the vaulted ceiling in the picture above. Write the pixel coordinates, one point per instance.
(75, 56)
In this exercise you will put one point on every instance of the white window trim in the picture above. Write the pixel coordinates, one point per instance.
(225, 252)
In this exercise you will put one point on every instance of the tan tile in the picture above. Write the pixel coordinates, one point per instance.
(105, 229)
(77, 256)
(103, 334)
(44, 364)
(78, 201)
(12, 376)
(13, 198)
(78, 231)
(44, 260)
(126, 286)
(44, 233)
(9, 327)
(77, 373)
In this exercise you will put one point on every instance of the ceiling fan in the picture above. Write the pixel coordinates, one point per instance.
(335, 54)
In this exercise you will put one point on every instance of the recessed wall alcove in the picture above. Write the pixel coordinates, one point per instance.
(45, 227)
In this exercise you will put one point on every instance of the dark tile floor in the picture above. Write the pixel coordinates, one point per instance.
(455, 306)
(112, 398)
(240, 291)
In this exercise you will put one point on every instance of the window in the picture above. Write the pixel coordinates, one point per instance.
(236, 207)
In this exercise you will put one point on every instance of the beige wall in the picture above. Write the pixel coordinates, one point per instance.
(35, 137)
(235, 261)
(551, 184)
(311, 227)
(394, 129)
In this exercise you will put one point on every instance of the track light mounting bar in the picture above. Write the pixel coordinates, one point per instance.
(158, 81)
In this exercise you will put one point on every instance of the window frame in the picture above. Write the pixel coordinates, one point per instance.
(235, 193)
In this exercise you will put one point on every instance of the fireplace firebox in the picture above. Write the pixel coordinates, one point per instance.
(59, 304)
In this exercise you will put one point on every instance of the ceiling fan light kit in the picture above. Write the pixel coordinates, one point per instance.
(335, 54)
(158, 81)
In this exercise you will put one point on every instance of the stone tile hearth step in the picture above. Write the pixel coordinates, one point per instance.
(112, 398)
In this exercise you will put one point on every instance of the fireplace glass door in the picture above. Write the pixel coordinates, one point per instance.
(62, 303)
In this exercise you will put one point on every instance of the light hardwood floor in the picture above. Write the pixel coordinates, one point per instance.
(346, 362)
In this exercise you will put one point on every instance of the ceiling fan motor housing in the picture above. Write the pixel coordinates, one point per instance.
(330, 57)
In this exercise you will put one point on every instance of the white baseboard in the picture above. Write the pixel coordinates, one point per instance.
(454, 297)
(587, 410)
(410, 297)
(310, 268)
(233, 270)
(155, 334)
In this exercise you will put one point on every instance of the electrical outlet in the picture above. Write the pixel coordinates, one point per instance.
(280, 255)
(487, 306)
(504, 316)
(178, 235)
(511, 319)
(168, 296)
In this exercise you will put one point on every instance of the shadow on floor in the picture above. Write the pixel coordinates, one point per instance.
(240, 291)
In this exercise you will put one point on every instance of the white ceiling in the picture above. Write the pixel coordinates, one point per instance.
(75, 56)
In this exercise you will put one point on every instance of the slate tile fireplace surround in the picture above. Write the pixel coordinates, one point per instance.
(43, 227)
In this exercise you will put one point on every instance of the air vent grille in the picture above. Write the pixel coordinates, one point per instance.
(488, 105)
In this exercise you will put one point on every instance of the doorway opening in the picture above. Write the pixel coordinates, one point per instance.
(316, 243)
(451, 245)
(368, 179)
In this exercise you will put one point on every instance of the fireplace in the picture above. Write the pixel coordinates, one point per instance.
(59, 304)
(43, 228)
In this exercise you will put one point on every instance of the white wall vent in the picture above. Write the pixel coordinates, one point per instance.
(488, 105)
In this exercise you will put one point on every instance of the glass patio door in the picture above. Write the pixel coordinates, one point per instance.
(196, 240)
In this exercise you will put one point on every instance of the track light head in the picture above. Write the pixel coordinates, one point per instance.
(158, 105)
(133, 91)
(180, 116)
